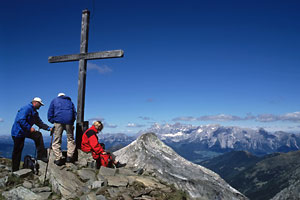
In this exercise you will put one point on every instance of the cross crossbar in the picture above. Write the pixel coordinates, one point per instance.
(87, 56)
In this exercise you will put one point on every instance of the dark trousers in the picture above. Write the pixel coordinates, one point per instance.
(19, 144)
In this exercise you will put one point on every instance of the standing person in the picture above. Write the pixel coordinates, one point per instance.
(90, 143)
(62, 113)
(23, 128)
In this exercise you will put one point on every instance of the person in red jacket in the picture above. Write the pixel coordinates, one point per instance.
(90, 143)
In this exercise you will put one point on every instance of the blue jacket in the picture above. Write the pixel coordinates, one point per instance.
(26, 117)
(62, 111)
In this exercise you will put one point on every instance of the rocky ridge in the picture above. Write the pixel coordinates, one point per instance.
(152, 155)
(82, 181)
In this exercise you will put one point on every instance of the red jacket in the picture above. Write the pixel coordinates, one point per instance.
(90, 142)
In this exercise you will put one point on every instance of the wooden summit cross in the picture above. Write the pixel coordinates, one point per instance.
(81, 125)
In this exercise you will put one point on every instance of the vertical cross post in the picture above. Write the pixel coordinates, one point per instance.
(80, 126)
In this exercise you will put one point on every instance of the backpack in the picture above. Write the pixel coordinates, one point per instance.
(31, 163)
(106, 160)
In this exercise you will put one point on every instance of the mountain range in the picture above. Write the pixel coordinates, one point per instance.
(198, 143)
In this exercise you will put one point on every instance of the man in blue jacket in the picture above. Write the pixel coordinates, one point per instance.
(62, 113)
(23, 128)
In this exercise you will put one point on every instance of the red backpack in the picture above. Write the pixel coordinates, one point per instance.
(106, 160)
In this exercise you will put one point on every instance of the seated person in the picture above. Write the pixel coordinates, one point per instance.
(90, 143)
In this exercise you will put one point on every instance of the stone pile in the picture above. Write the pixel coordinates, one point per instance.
(83, 181)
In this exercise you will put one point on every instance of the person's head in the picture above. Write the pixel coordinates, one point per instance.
(37, 102)
(98, 125)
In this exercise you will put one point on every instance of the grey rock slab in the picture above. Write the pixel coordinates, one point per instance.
(101, 197)
(149, 182)
(22, 173)
(97, 184)
(117, 181)
(27, 184)
(45, 195)
(113, 192)
(21, 193)
(41, 189)
(90, 196)
(105, 171)
(84, 158)
(87, 174)
(127, 197)
(126, 172)
(131, 179)
(64, 182)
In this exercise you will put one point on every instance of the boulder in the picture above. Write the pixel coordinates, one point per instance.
(22, 173)
(21, 193)
(86, 174)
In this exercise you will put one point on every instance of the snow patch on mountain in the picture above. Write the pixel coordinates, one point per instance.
(222, 139)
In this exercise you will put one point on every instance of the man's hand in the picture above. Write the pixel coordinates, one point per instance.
(104, 153)
(32, 130)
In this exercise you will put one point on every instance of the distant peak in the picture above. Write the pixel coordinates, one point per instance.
(148, 136)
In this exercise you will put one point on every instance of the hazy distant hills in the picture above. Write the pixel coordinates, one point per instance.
(231, 164)
(112, 141)
(260, 178)
(198, 143)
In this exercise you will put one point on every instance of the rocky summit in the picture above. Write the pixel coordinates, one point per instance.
(153, 156)
(82, 181)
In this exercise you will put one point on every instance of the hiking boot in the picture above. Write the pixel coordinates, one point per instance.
(118, 165)
(59, 162)
(44, 159)
(70, 160)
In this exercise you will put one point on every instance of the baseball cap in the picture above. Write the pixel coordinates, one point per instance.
(61, 94)
(38, 99)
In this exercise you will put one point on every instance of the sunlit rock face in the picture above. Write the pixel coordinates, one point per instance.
(151, 154)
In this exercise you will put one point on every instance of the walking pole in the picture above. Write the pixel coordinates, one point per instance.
(51, 133)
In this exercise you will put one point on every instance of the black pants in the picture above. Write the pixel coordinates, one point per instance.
(19, 144)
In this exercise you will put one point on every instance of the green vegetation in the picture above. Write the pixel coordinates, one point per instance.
(258, 178)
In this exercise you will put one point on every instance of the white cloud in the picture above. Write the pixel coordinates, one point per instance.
(101, 69)
(294, 117)
(220, 117)
(134, 125)
(1, 120)
(267, 118)
(189, 118)
(110, 125)
(290, 117)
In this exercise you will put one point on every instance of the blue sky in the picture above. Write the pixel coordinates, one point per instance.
(234, 63)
